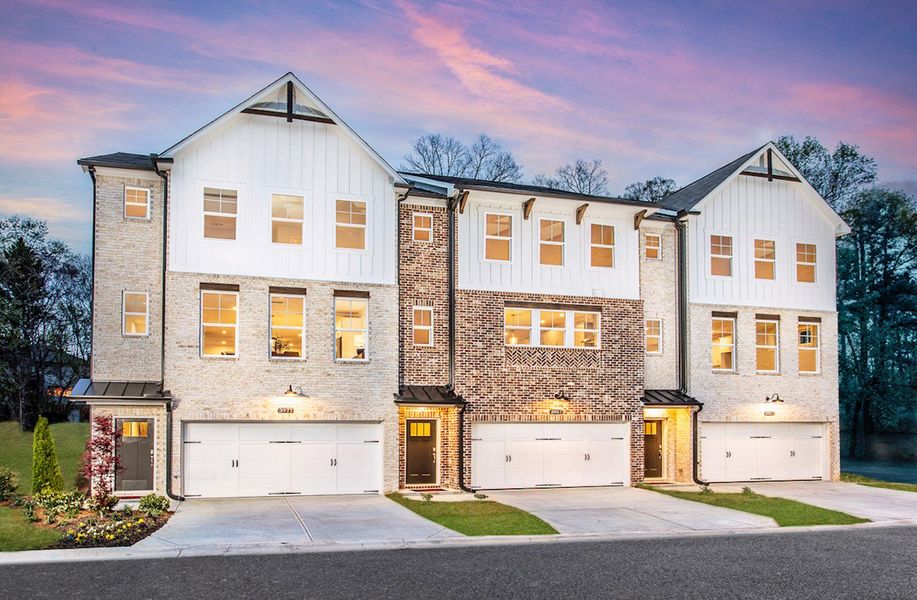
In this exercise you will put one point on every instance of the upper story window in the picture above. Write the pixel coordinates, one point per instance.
(722, 353)
(766, 346)
(135, 313)
(220, 210)
(602, 245)
(765, 259)
(551, 328)
(219, 319)
(288, 325)
(653, 246)
(721, 255)
(350, 328)
(653, 336)
(805, 263)
(423, 326)
(286, 219)
(498, 237)
(136, 203)
(551, 238)
(809, 348)
(423, 227)
(350, 220)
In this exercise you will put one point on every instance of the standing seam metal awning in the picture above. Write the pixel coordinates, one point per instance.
(668, 398)
(86, 389)
(428, 394)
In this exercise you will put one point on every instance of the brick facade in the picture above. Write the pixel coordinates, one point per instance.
(658, 288)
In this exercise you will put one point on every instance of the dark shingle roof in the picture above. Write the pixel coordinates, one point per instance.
(119, 160)
(687, 197)
(428, 394)
(520, 188)
(668, 398)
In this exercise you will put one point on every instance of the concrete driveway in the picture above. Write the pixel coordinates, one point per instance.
(625, 510)
(875, 504)
(293, 520)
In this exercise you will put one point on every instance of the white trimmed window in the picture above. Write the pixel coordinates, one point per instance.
(136, 203)
(809, 348)
(805, 263)
(422, 227)
(765, 259)
(722, 353)
(585, 330)
(517, 326)
(423, 326)
(551, 328)
(219, 319)
(721, 255)
(602, 245)
(498, 237)
(767, 352)
(220, 210)
(350, 328)
(653, 246)
(286, 219)
(288, 325)
(135, 314)
(653, 330)
(350, 225)
(551, 237)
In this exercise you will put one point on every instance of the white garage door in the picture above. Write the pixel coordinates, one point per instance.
(528, 455)
(759, 451)
(266, 459)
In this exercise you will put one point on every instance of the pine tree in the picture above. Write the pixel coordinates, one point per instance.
(45, 466)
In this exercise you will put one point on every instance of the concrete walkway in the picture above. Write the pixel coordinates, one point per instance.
(626, 510)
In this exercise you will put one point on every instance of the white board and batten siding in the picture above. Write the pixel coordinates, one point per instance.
(750, 208)
(523, 273)
(260, 156)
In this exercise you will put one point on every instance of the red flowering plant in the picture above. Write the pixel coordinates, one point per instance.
(100, 462)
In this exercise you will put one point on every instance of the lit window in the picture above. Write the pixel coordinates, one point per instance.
(653, 245)
(723, 348)
(350, 329)
(585, 329)
(809, 349)
(721, 255)
(805, 263)
(653, 336)
(423, 227)
(220, 210)
(498, 237)
(423, 326)
(552, 242)
(288, 326)
(135, 313)
(552, 326)
(766, 346)
(518, 326)
(219, 315)
(350, 218)
(136, 203)
(602, 245)
(286, 219)
(765, 259)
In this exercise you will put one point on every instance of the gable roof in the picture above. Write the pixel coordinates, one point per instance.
(118, 160)
(259, 98)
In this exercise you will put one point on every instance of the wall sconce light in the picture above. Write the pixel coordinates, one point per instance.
(561, 395)
(773, 398)
(297, 393)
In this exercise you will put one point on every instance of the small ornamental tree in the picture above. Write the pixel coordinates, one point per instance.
(46, 473)
(101, 464)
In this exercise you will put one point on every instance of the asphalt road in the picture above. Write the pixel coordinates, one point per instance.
(864, 563)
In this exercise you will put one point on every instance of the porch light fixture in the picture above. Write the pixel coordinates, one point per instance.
(561, 395)
(297, 393)
(773, 398)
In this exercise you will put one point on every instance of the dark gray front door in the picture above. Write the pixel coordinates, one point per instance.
(420, 457)
(135, 450)
(652, 445)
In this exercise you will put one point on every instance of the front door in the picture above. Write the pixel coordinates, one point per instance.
(420, 457)
(652, 447)
(135, 451)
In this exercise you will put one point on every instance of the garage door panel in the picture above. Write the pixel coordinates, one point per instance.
(314, 432)
(741, 457)
(212, 432)
(607, 463)
(264, 432)
(358, 433)
(210, 470)
(565, 462)
(526, 463)
(807, 458)
(524, 431)
(357, 465)
(312, 467)
(264, 468)
(488, 431)
(488, 463)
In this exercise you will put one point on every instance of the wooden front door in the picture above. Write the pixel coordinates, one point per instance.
(420, 456)
(652, 447)
(135, 450)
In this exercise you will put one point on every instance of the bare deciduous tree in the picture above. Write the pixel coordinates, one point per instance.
(436, 154)
(581, 177)
(651, 190)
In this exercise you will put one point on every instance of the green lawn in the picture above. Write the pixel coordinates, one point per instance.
(16, 451)
(16, 533)
(889, 485)
(478, 517)
(787, 513)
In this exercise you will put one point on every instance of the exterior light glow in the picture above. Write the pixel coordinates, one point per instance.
(773, 398)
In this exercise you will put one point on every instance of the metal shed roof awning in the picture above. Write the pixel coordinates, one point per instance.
(119, 391)
(668, 398)
(428, 395)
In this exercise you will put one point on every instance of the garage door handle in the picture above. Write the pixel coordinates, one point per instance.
(792, 453)
(334, 462)
(729, 455)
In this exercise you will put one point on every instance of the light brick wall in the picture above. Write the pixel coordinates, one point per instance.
(249, 387)
(128, 257)
(658, 289)
(157, 412)
(739, 396)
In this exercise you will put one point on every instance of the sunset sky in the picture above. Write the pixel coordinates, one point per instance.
(651, 88)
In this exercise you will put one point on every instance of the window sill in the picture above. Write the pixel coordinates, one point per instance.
(806, 374)
(724, 371)
(352, 361)
(139, 219)
(135, 335)
(287, 359)
(768, 373)
(210, 357)
(534, 347)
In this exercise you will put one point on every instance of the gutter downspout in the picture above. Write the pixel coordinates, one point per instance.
(401, 331)
(92, 256)
(450, 212)
(162, 342)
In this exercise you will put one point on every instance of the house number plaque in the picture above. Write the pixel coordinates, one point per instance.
(285, 410)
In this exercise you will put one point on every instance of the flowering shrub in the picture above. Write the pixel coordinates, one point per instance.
(55, 504)
(154, 504)
(8, 483)
(103, 463)
(114, 531)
